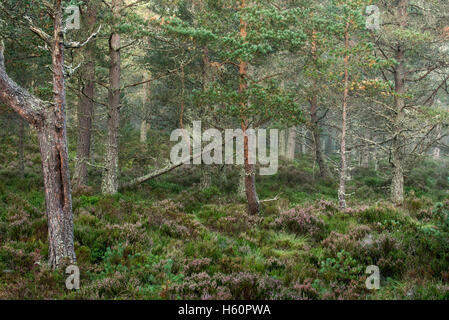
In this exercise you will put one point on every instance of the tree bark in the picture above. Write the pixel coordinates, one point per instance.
(50, 123)
(397, 184)
(86, 107)
(110, 176)
(146, 93)
(250, 180)
(54, 150)
(250, 172)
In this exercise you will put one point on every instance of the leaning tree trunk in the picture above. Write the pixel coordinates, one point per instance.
(110, 176)
(86, 108)
(49, 119)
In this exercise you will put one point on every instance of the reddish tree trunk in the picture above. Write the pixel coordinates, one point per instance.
(53, 145)
(110, 177)
(250, 173)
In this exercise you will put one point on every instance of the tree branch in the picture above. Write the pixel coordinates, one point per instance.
(21, 101)
(39, 32)
(77, 45)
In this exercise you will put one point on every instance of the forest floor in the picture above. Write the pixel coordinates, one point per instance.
(171, 239)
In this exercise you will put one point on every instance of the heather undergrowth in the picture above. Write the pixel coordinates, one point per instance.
(169, 240)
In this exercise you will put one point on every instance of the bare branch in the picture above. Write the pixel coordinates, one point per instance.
(39, 32)
(77, 45)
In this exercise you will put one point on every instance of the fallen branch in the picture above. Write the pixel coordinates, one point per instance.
(150, 176)
(161, 171)
(165, 169)
(270, 200)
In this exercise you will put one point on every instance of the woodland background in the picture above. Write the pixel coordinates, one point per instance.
(85, 147)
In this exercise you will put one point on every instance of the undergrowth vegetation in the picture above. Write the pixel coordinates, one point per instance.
(170, 239)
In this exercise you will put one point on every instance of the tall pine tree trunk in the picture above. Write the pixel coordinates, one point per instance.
(54, 151)
(86, 107)
(397, 183)
(110, 177)
(250, 172)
